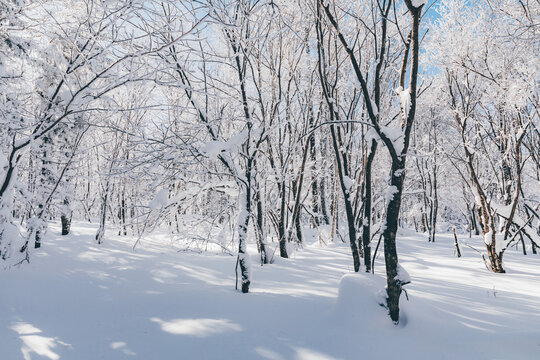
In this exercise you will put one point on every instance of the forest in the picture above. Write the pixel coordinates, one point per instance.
(234, 145)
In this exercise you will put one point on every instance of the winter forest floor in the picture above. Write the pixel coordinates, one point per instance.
(80, 300)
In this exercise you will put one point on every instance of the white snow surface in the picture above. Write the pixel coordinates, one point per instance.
(79, 300)
(418, 3)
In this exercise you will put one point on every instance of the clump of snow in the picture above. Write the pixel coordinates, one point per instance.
(372, 134)
(396, 136)
(160, 200)
(476, 196)
(237, 140)
(65, 96)
(399, 172)
(488, 237)
(418, 3)
(349, 183)
(404, 99)
(519, 132)
(503, 210)
(501, 243)
(360, 297)
(213, 148)
(392, 189)
(402, 275)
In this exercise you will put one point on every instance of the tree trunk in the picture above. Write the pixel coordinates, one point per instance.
(66, 224)
(123, 229)
(434, 204)
(281, 224)
(393, 283)
(456, 244)
(489, 232)
(473, 221)
(322, 186)
(347, 201)
(366, 221)
(260, 230)
(65, 218)
(103, 216)
(243, 222)
(523, 244)
(314, 182)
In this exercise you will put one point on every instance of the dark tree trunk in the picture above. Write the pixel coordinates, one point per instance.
(347, 202)
(474, 224)
(243, 223)
(123, 229)
(281, 224)
(260, 230)
(43, 180)
(298, 227)
(66, 224)
(366, 221)
(324, 208)
(314, 183)
(523, 244)
(434, 204)
(103, 216)
(65, 218)
(393, 283)
(297, 193)
(456, 244)
(37, 243)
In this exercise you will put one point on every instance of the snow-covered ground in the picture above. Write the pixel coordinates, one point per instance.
(79, 300)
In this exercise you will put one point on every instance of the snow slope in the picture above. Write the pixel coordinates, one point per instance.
(78, 300)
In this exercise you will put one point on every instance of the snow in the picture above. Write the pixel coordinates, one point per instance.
(3, 165)
(372, 134)
(392, 189)
(65, 96)
(160, 200)
(488, 237)
(396, 136)
(519, 132)
(418, 3)
(349, 183)
(78, 300)
(403, 276)
(399, 172)
(214, 148)
(404, 99)
(505, 211)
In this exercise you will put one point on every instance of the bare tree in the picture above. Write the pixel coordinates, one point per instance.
(396, 140)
